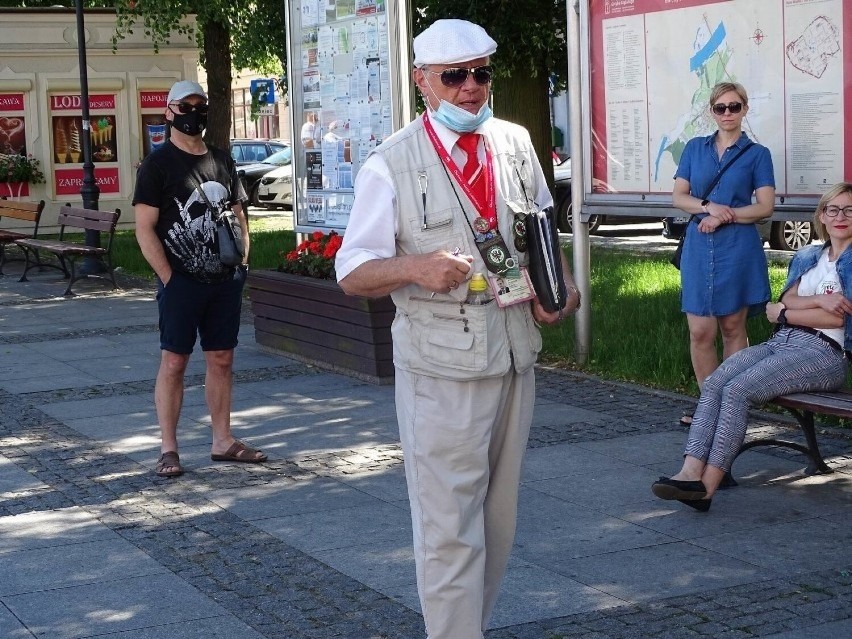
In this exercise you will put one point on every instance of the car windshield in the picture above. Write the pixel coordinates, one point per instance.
(279, 158)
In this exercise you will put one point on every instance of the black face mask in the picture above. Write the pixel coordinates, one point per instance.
(191, 123)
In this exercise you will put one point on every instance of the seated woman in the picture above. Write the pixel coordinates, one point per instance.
(807, 352)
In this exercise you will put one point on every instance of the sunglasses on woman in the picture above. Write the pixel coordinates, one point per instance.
(185, 107)
(733, 107)
(457, 76)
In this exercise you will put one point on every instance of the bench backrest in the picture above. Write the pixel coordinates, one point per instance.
(88, 219)
(27, 211)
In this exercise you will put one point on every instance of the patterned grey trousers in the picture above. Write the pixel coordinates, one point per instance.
(790, 361)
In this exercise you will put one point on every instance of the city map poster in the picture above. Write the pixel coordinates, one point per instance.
(653, 64)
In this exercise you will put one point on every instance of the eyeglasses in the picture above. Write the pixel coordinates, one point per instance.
(733, 107)
(456, 76)
(186, 107)
(834, 211)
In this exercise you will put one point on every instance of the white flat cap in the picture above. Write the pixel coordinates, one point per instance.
(184, 89)
(452, 41)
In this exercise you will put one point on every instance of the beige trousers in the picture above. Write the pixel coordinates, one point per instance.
(463, 444)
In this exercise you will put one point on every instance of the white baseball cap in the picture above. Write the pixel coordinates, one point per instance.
(451, 41)
(184, 89)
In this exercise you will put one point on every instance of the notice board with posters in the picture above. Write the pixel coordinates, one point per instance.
(648, 67)
(349, 71)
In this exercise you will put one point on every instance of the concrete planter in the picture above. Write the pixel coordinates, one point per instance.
(316, 322)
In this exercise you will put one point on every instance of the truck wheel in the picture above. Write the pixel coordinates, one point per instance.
(790, 235)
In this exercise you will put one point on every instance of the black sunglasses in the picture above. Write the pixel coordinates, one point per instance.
(456, 76)
(186, 108)
(733, 107)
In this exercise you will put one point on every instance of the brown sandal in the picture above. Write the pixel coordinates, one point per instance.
(169, 460)
(239, 452)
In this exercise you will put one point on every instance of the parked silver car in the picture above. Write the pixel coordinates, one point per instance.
(562, 203)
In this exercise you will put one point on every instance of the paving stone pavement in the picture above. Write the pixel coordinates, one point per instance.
(316, 542)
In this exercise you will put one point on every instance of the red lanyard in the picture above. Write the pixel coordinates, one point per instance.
(487, 209)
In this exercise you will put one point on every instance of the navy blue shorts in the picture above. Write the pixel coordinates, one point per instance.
(191, 309)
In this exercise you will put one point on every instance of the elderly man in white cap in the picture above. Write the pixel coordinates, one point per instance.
(437, 201)
(181, 190)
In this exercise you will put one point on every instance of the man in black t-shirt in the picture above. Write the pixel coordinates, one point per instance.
(181, 189)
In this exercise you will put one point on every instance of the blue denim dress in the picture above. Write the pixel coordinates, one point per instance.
(724, 271)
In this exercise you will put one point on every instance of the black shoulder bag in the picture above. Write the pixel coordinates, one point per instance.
(229, 237)
(679, 250)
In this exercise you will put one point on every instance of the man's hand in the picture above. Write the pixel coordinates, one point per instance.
(543, 317)
(442, 271)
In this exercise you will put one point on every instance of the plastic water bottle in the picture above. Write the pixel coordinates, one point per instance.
(478, 292)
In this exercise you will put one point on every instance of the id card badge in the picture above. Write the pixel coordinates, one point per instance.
(511, 288)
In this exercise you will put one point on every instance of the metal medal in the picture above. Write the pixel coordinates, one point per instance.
(481, 224)
(519, 229)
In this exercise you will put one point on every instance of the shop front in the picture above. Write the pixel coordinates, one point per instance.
(41, 104)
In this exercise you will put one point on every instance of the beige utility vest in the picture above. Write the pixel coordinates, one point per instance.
(443, 336)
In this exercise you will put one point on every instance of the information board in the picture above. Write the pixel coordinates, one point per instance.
(348, 82)
(651, 65)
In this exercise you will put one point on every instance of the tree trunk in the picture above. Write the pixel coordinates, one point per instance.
(526, 101)
(217, 62)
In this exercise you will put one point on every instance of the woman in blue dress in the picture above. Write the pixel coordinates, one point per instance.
(724, 274)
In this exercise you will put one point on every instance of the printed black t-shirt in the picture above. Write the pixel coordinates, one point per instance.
(168, 180)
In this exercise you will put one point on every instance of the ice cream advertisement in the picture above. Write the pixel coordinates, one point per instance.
(67, 141)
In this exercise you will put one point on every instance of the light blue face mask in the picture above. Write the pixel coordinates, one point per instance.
(459, 120)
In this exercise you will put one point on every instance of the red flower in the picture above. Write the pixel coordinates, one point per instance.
(313, 257)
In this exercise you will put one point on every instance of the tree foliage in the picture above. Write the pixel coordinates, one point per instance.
(531, 56)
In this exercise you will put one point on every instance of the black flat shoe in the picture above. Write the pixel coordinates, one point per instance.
(666, 488)
(686, 420)
(701, 505)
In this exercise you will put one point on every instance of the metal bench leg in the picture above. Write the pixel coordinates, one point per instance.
(111, 271)
(806, 421)
(26, 251)
(73, 277)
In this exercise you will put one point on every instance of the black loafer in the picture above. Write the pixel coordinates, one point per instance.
(666, 488)
(701, 505)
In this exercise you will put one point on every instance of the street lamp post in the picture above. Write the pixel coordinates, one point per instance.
(89, 190)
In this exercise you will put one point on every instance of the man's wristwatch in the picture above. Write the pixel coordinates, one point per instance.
(782, 315)
(704, 204)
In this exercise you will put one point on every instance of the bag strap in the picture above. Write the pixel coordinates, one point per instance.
(719, 177)
(725, 168)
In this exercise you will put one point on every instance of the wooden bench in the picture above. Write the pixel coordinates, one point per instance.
(26, 211)
(803, 406)
(69, 252)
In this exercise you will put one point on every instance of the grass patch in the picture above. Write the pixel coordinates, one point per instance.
(265, 246)
(638, 333)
